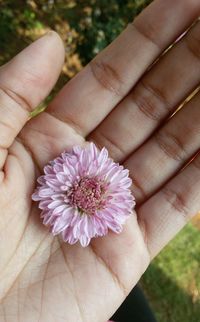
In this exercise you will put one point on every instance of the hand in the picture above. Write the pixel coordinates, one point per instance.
(43, 279)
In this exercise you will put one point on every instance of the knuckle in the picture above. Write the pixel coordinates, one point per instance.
(151, 101)
(8, 125)
(137, 189)
(177, 202)
(197, 162)
(17, 98)
(148, 30)
(193, 41)
(107, 76)
(7, 129)
(171, 145)
(102, 139)
(144, 228)
(143, 225)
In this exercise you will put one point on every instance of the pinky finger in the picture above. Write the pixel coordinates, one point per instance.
(164, 214)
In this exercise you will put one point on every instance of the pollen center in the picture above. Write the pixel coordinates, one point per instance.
(88, 195)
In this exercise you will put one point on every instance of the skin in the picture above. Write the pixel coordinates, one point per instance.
(121, 103)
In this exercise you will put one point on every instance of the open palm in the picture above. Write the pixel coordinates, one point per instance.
(42, 278)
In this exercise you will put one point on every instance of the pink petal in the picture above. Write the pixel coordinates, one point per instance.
(68, 236)
(59, 225)
(54, 204)
(48, 169)
(59, 209)
(84, 240)
(47, 192)
(87, 179)
(35, 196)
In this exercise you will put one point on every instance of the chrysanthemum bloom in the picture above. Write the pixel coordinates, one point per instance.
(83, 194)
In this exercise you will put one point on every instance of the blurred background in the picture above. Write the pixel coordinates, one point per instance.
(172, 282)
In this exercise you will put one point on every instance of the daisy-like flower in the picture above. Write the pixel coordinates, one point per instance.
(83, 194)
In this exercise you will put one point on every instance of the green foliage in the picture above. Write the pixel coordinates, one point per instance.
(172, 281)
(98, 22)
(14, 19)
(28, 18)
(7, 24)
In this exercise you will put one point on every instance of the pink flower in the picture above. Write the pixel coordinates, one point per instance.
(83, 194)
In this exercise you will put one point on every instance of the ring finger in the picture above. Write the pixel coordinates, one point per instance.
(167, 151)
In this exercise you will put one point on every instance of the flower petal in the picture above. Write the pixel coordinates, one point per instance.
(84, 240)
(87, 179)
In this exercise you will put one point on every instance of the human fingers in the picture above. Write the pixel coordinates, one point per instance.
(85, 101)
(166, 152)
(24, 82)
(165, 213)
(155, 97)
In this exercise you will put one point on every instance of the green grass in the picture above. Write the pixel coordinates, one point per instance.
(172, 282)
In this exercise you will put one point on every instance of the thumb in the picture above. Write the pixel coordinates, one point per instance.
(24, 82)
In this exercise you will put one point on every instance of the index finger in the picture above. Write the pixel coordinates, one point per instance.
(94, 92)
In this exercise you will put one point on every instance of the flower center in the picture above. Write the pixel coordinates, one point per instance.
(88, 195)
